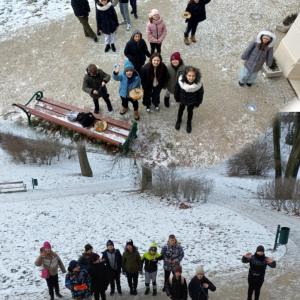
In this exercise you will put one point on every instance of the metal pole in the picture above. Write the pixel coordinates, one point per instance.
(276, 238)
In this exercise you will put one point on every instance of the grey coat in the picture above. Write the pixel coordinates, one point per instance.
(254, 57)
(173, 76)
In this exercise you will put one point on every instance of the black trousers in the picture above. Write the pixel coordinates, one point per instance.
(190, 27)
(96, 102)
(114, 276)
(154, 95)
(157, 46)
(254, 286)
(167, 275)
(125, 101)
(52, 283)
(190, 109)
(97, 295)
(132, 280)
(133, 5)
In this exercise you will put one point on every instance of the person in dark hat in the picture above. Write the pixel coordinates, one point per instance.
(258, 264)
(78, 281)
(113, 261)
(132, 266)
(176, 287)
(84, 259)
(99, 276)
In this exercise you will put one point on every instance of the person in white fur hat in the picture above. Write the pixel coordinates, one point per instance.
(257, 53)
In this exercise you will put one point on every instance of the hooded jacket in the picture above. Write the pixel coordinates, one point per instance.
(56, 261)
(198, 293)
(172, 253)
(197, 10)
(131, 261)
(91, 83)
(156, 31)
(176, 289)
(118, 260)
(99, 277)
(136, 52)
(106, 17)
(74, 279)
(173, 75)
(147, 258)
(81, 8)
(189, 94)
(254, 57)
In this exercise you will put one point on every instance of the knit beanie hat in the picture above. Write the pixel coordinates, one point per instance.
(200, 270)
(129, 242)
(176, 56)
(73, 264)
(128, 66)
(109, 242)
(178, 269)
(47, 245)
(260, 248)
(153, 247)
(94, 256)
(88, 247)
(153, 12)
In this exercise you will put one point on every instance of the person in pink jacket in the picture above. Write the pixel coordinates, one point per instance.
(156, 31)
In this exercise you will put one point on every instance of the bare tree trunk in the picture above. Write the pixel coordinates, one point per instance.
(277, 156)
(84, 162)
(146, 178)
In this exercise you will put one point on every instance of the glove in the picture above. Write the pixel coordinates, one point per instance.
(141, 273)
(124, 273)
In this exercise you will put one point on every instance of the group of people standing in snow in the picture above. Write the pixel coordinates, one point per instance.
(91, 275)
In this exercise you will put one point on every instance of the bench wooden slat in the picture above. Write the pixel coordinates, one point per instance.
(71, 126)
(11, 182)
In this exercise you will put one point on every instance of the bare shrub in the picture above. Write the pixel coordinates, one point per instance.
(255, 159)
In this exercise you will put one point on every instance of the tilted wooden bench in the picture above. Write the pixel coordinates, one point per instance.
(117, 133)
(12, 187)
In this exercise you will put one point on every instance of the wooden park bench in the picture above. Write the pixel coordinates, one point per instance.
(117, 133)
(13, 187)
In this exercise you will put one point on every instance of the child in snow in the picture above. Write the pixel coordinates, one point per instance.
(154, 76)
(173, 254)
(257, 53)
(258, 264)
(94, 83)
(151, 259)
(136, 50)
(198, 14)
(156, 30)
(99, 277)
(175, 69)
(132, 266)
(129, 79)
(84, 259)
(107, 22)
(78, 281)
(50, 261)
(199, 286)
(188, 92)
(176, 287)
(113, 261)
(125, 13)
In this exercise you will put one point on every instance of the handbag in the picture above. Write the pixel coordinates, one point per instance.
(45, 272)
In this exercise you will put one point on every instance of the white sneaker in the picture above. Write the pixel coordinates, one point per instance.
(148, 109)
(157, 108)
(128, 27)
(122, 22)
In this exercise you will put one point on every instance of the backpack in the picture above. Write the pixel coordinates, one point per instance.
(85, 119)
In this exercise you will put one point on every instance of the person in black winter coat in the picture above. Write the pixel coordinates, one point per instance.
(198, 14)
(258, 264)
(188, 92)
(199, 286)
(107, 22)
(136, 50)
(81, 10)
(99, 276)
(84, 259)
(176, 287)
(154, 77)
(113, 261)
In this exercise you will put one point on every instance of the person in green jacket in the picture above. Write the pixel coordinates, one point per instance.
(151, 259)
(132, 266)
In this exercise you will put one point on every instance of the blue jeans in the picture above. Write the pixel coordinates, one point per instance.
(246, 75)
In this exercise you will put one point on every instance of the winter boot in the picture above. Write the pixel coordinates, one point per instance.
(147, 290)
(177, 125)
(249, 84)
(113, 48)
(135, 15)
(189, 126)
(241, 84)
(123, 110)
(164, 289)
(167, 101)
(186, 41)
(52, 297)
(58, 295)
(95, 39)
(134, 291)
(136, 115)
(154, 292)
(119, 291)
(107, 48)
(131, 291)
(193, 39)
